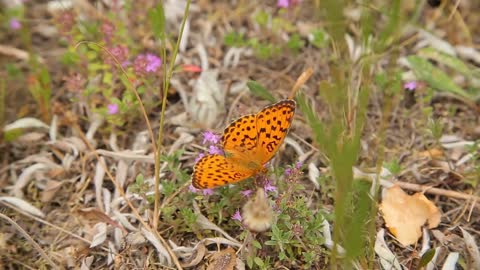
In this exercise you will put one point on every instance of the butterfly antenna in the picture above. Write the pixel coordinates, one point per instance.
(300, 81)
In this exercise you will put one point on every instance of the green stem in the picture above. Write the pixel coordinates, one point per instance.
(166, 84)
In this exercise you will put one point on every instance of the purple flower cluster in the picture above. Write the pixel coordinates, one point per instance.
(146, 64)
(112, 108)
(15, 24)
(411, 85)
(108, 30)
(237, 216)
(120, 52)
(290, 171)
(287, 3)
(268, 187)
(205, 192)
(211, 139)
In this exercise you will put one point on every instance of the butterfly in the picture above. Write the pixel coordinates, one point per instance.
(248, 144)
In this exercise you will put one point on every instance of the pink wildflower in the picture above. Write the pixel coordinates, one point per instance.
(207, 192)
(237, 216)
(411, 85)
(112, 108)
(15, 24)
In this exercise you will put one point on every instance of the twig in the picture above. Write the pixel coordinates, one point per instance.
(17, 53)
(432, 190)
(30, 239)
(124, 196)
(419, 188)
(302, 79)
(48, 223)
(166, 86)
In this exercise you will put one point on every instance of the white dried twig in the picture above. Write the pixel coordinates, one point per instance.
(206, 224)
(23, 205)
(202, 53)
(53, 128)
(468, 53)
(121, 176)
(327, 235)
(295, 145)
(472, 249)
(127, 155)
(26, 176)
(98, 181)
(425, 241)
(428, 39)
(163, 255)
(30, 240)
(208, 101)
(27, 122)
(451, 261)
(96, 121)
(313, 174)
(100, 234)
(432, 264)
(387, 258)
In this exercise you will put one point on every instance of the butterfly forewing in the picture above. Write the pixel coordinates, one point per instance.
(273, 123)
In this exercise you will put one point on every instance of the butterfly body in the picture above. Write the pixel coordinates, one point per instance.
(248, 143)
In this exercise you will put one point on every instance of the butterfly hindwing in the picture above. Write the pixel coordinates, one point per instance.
(216, 170)
(240, 135)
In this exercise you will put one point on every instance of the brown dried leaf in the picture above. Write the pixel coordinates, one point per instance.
(405, 215)
(50, 190)
(434, 153)
(196, 257)
(94, 215)
(31, 137)
(223, 260)
(472, 248)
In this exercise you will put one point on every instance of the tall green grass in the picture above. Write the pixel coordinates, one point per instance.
(346, 94)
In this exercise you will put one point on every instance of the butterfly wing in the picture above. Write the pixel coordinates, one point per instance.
(216, 170)
(240, 136)
(273, 123)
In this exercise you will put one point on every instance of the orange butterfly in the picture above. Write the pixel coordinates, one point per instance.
(248, 143)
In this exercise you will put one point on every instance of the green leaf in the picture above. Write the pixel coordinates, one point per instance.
(357, 226)
(393, 24)
(258, 261)
(70, 58)
(12, 70)
(250, 262)
(446, 59)
(295, 43)
(257, 244)
(320, 38)
(107, 78)
(435, 77)
(157, 21)
(46, 88)
(426, 258)
(139, 179)
(260, 91)
(234, 39)
(262, 18)
(393, 166)
(12, 135)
